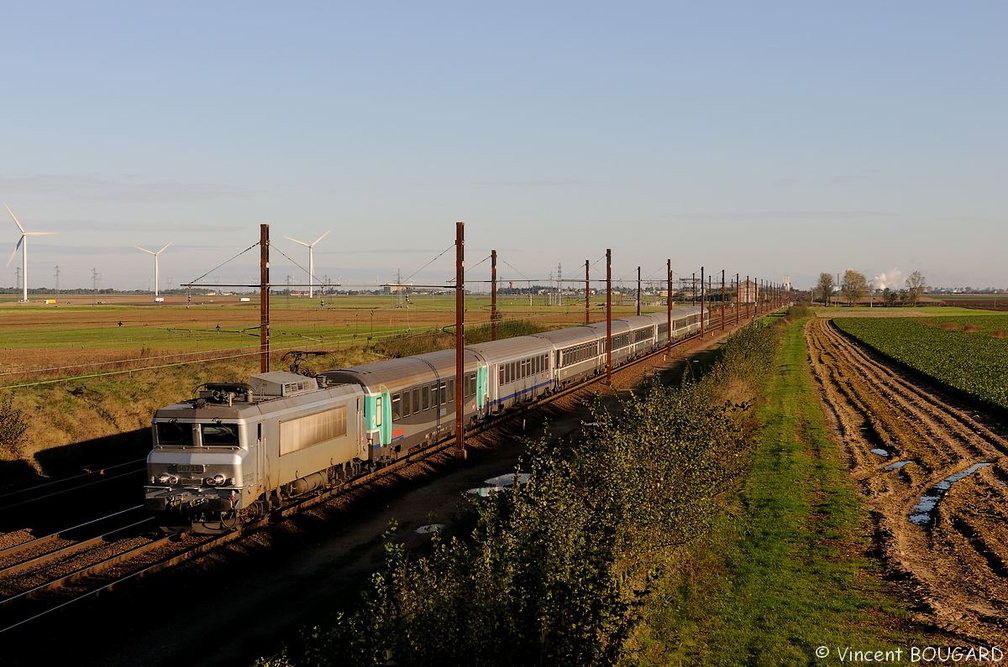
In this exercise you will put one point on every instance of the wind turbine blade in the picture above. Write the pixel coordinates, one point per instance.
(14, 217)
(296, 241)
(16, 248)
(321, 237)
(149, 252)
(40, 233)
(164, 248)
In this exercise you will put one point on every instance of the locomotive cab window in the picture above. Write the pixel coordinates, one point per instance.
(174, 434)
(219, 435)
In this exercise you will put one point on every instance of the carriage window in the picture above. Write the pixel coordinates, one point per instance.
(451, 390)
(416, 401)
(378, 411)
(442, 398)
(406, 403)
(396, 407)
(426, 398)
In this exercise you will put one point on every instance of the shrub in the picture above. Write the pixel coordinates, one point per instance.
(13, 425)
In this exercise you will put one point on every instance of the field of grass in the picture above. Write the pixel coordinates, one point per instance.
(965, 351)
(784, 569)
(922, 310)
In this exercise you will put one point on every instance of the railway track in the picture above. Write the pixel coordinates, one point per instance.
(935, 473)
(45, 507)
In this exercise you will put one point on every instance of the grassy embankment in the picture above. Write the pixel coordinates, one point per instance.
(785, 568)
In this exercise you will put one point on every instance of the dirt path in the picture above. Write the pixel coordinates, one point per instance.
(934, 472)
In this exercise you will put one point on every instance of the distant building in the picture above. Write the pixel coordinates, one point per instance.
(748, 291)
(395, 288)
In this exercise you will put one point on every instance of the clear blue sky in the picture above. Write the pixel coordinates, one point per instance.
(765, 138)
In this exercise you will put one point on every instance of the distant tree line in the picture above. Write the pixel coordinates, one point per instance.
(854, 286)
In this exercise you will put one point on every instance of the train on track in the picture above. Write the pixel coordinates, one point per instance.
(241, 449)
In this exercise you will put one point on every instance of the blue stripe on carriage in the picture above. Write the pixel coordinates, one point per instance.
(516, 394)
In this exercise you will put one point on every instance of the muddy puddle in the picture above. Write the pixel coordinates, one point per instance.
(923, 512)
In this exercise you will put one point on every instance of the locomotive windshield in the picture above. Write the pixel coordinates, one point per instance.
(219, 435)
(174, 434)
(178, 434)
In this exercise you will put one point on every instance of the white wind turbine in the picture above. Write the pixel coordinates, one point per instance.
(23, 245)
(157, 276)
(311, 261)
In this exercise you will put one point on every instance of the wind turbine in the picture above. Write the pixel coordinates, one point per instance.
(156, 274)
(311, 260)
(23, 245)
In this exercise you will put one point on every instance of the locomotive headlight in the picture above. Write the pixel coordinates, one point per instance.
(216, 480)
(165, 478)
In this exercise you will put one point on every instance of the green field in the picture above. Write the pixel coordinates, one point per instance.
(965, 351)
(208, 323)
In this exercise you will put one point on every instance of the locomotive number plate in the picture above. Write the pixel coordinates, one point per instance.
(189, 467)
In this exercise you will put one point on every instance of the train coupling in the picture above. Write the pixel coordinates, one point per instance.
(160, 499)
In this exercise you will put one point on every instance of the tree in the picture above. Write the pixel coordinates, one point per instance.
(825, 287)
(853, 286)
(915, 286)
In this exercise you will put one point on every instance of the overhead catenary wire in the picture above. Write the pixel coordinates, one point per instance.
(436, 258)
(193, 282)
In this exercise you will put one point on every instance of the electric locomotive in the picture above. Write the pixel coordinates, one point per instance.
(240, 449)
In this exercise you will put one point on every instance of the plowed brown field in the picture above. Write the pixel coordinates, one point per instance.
(947, 539)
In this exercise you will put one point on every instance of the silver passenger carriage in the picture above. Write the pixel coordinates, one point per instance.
(578, 353)
(518, 369)
(686, 322)
(410, 402)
